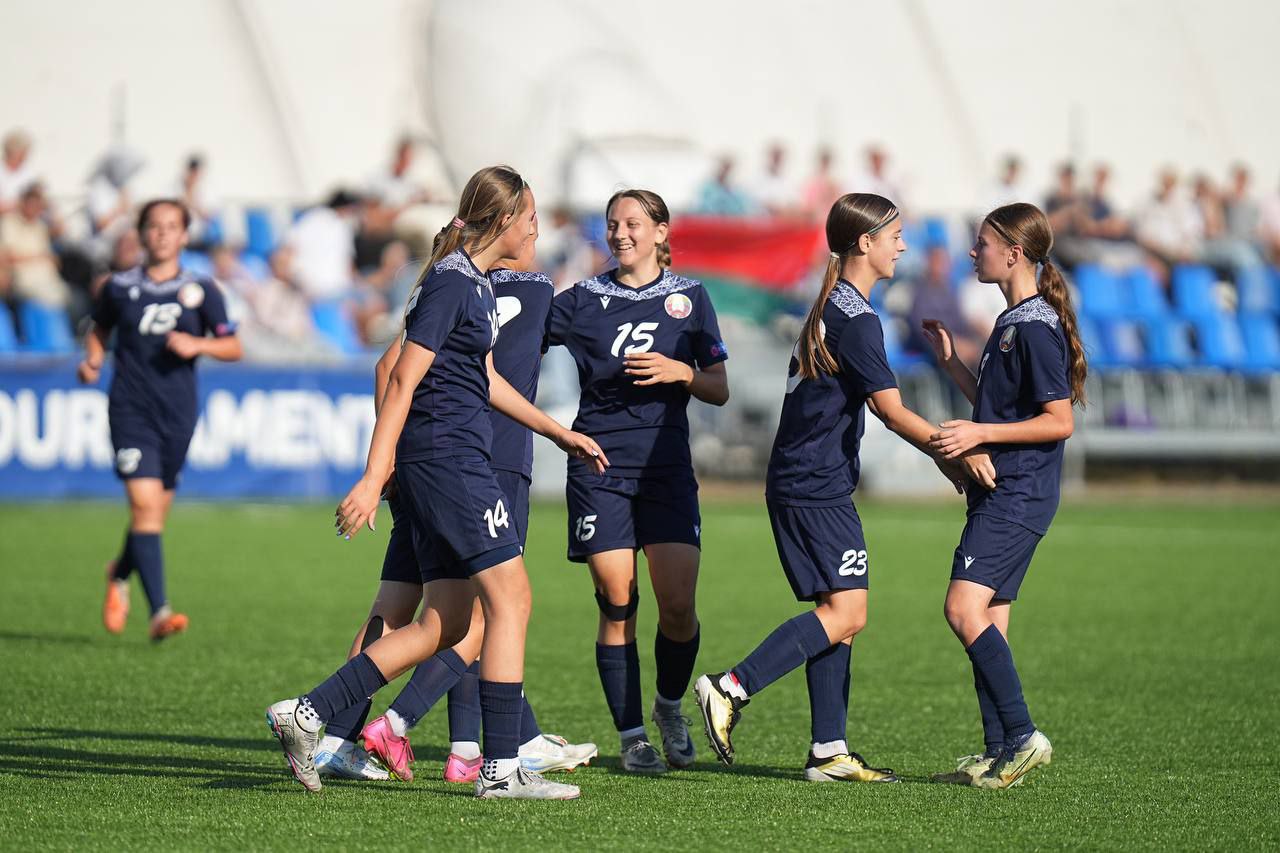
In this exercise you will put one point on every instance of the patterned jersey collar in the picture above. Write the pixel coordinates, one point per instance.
(847, 298)
(137, 277)
(501, 276)
(1027, 311)
(460, 262)
(669, 283)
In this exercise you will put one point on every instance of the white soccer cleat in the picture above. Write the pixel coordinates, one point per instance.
(297, 726)
(1016, 762)
(350, 761)
(547, 753)
(523, 785)
(674, 728)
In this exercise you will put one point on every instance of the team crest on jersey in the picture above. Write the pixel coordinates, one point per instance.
(1006, 340)
(127, 459)
(134, 293)
(191, 295)
(678, 306)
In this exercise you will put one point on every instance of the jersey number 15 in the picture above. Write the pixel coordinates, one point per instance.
(638, 332)
(159, 318)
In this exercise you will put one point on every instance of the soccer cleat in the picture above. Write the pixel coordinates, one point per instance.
(459, 769)
(297, 725)
(552, 752)
(674, 728)
(524, 785)
(350, 762)
(847, 767)
(639, 756)
(166, 623)
(1016, 761)
(968, 768)
(720, 713)
(391, 749)
(115, 607)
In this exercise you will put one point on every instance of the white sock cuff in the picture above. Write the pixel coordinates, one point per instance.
(398, 724)
(830, 749)
(632, 734)
(467, 750)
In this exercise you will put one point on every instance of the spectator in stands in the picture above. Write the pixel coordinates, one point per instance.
(1269, 227)
(108, 203)
(1069, 215)
(1008, 187)
(1240, 210)
(26, 247)
(323, 245)
(377, 313)
(1103, 221)
(719, 197)
(229, 271)
(390, 193)
(564, 253)
(876, 177)
(934, 298)
(1170, 226)
(772, 192)
(193, 189)
(281, 308)
(16, 173)
(822, 189)
(1227, 254)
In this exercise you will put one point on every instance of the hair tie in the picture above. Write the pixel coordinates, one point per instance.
(458, 223)
(835, 256)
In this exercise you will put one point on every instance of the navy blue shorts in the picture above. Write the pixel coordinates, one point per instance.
(401, 560)
(460, 518)
(145, 449)
(995, 553)
(821, 548)
(607, 513)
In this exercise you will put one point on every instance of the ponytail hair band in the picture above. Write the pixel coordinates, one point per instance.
(835, 256)
(458, 223)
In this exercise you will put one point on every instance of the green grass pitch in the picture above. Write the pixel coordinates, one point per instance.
(1147, 637)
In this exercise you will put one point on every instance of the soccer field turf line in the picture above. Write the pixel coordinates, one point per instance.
(1146, 636)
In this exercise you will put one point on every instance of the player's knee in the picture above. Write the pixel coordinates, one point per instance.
(957, 614)
(679, 618)
(618, 608)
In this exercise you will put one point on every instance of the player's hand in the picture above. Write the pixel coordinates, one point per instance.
(183, 345)
(357, 508)
(654, 368)
(955, 437)
(580, 446)
(87, 373)
(954, 472)
(939, 337)
(977, 466)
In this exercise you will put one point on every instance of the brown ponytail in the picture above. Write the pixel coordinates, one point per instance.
(1026, 226)
(491, 195)
(851, 216)
(656, 209)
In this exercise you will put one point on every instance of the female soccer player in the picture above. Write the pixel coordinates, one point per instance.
(433, 426)
(645, 340)
(163, 316)
(838, 365)
(1032, 371)
(523, 303)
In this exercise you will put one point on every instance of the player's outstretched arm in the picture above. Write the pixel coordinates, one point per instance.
(939, 337)
(361, 504)
(710, 384)
(1054, 423)
(95, 351)
(887, 405)
(512, 403)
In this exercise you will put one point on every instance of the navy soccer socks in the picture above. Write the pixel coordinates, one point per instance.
(994, 661)
(619, 668)
(992, 730)
(464, 708)
(791, 644)
(431, 680)
(142, 551)
(501, 707)
(827, 675)
(674, 662)
(354, 682)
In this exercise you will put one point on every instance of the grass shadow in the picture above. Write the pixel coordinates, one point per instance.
(63, 639)
(45, 733)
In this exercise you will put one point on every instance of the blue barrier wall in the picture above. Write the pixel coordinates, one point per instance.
(263, 432)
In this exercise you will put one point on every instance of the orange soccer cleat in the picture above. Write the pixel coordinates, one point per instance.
(167, 623)
(115, 607)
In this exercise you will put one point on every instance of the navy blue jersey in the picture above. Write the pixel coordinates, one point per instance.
(1023, 367)
(643, 429)
(815, 453)
(148, 377)
(524, 303)
(452, 313)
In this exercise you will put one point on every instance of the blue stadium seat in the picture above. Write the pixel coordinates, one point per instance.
(1124, 343)
(898, 357)
(1168, 342)
(1262, 343)
(46, 329)
(214, 233)
(336, 327)
(1220, 341)
(8, 335)
(1102, 292)
(196, 262)
(935, 232)
(1095, 352)
(1193, 291)
(1258, 291)
(260, 232)
(256, 266)
(1145, 298)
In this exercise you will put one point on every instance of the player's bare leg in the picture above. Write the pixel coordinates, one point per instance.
(673, 570)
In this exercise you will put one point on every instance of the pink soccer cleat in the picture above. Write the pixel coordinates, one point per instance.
(459, 769)
(394, 751)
